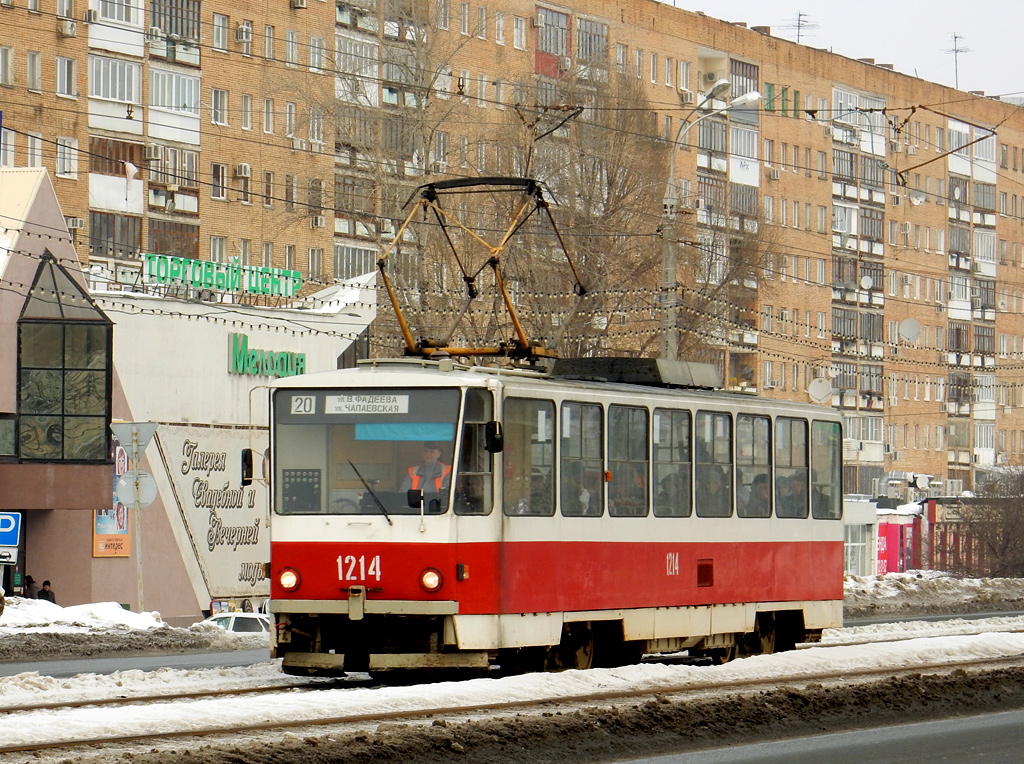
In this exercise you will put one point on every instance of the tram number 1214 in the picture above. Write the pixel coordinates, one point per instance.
(352, 568)
(672, 564)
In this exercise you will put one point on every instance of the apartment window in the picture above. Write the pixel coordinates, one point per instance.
(35, 70)
(242, 185)
(443, 15)
(291, 47)
(481, 91)
(592, 41)
(219, 106)
(290, 188)
(268, 42)
(123, 10)
(220, 32)
(246, 111)
(519, 33)
(67, 158)
(113, 235)
(268, 254)
(268, 189)
(822, 165)
(169, 238)
(316, 264)
(290, 115)
(6, 65)
(350, 262)
(35, 150)
(769, 151)
(654, 68)
(66, 9)
(499, 27)
(218, 181)
(553, 35)
(316, 54)
(174, 91)
(268, 115)
(244, 251)
(289, 257)
(66, 77)
(670, 70)
(684, 74)
(246, 35)
(218, 249)
(114, 79)
(481, 22)
(464, 19)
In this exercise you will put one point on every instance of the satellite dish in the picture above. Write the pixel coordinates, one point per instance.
(866, 282)
(957, 193)
(833, 372)
(910, 329)
(917, 198)
(819, 390)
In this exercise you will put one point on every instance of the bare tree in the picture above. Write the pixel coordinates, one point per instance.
(991, 528)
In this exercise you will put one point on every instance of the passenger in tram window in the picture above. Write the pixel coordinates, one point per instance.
(469, 494)
(575, 496)
(760, 501)
(431, 475)
(798, 494)
(673, 495)
(628, 491)
(714, 498)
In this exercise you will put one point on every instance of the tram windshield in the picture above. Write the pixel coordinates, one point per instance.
(364, 452)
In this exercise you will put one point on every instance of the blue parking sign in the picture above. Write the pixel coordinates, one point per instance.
(10, 528)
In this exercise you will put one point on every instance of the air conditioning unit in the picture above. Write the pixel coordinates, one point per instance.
(712, 77)
(911, 150)
(686, 97)
(243, 170)
(940, 307)
(895, 147)
(829, 131)
(773, 173)
(154, 152)
(905, 227)
(771, 384)
(298, 4)
(887, 448)
(298, 144)
(67, 27)
(154, 35)
(317, 221)
(896, 200)
(538, 21)
(906, 279)
(1000, 458)
(92, 16)
(243, 33)
(896, 456)
(74, 223)
(564, 64)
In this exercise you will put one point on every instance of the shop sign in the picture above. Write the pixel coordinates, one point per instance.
(232, 277)
(263, 363)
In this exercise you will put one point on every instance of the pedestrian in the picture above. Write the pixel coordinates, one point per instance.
(31, 589)
(46, 593)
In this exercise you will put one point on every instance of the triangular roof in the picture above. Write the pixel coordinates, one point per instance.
(55, 295)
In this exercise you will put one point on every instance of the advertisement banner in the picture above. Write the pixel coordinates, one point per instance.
(111, 535)
(226, 522)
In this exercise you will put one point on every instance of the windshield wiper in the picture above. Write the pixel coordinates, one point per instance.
(371, 492)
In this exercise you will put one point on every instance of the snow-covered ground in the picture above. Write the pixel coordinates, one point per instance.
(922, 643)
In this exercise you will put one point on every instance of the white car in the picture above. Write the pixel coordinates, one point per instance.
(254, 623)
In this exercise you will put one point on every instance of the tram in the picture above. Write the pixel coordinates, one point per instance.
(571, 518)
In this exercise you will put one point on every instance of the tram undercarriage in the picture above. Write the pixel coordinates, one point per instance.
(333, 643)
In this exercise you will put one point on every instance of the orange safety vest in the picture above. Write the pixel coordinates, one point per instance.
(438, 481)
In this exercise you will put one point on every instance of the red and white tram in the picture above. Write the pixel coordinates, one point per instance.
(581, 522)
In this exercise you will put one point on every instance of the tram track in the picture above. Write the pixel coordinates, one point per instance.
(468, 710)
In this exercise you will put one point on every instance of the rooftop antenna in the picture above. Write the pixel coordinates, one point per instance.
(801, 24)
(956, 50)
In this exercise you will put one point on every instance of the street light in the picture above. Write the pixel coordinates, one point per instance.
(669, 243)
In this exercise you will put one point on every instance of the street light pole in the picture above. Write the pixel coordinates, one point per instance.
(669, 220)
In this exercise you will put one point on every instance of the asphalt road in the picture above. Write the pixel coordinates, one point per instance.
(73, 666)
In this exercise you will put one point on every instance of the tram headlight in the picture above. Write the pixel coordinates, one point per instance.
(289, 579)
(431, 579)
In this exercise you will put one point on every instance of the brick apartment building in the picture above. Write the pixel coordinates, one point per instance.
(291, 134)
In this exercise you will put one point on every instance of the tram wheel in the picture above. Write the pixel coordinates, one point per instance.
(582, 646)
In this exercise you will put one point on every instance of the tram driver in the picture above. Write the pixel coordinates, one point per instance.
(431, 475)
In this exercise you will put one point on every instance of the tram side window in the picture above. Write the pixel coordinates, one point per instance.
(581, 469)
(473, 482)
(827, 470)
(672, 464)
(714, 470)
(627, 461)
(753, 466)
(529, 457)
(790, 467)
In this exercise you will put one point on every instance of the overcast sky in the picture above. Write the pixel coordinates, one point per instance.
(911, 36)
